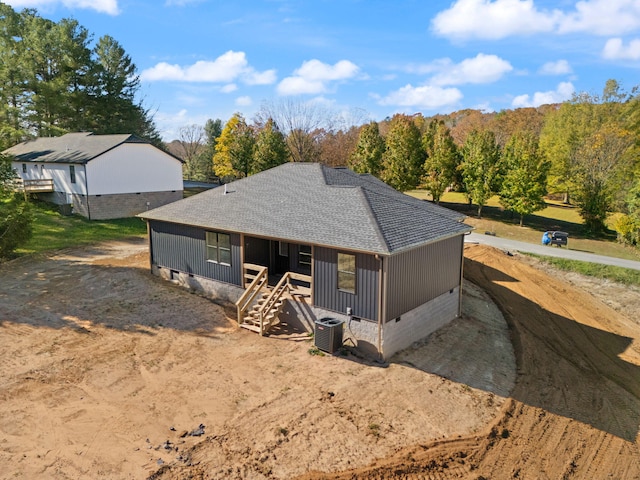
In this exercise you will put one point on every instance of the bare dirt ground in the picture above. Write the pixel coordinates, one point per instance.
(109, 372)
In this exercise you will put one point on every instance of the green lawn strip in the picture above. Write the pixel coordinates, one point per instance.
(555, 216)
(52, 231)
(626, 276)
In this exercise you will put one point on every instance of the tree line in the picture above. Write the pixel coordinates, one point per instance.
(54, 80)
(585, 151)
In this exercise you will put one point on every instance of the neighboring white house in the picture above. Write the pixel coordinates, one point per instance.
(100, 176)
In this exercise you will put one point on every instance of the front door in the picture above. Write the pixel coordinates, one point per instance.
(281, 257)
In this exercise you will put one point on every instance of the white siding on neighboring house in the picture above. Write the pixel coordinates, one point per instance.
(132, 168)
(59, 172)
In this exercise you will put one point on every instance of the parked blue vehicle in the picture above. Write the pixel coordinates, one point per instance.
(555, 238)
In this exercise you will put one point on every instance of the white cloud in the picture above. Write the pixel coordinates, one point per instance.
(496, 19)
(227, 68)
(480, 69)
(493, 19)
(563, 92)
(314, 76)
(244, 101)
(615, 49)
(229, 87)
(602, 17)
(102, 6)
(561, 67)
(268, 77)
(428, 97)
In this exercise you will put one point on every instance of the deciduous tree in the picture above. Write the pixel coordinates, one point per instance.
(404, 156)
(369, 150)
(481, 167)
(442, 159)
(525, 178)
(270, 149)
(234, 149)
(16, 218)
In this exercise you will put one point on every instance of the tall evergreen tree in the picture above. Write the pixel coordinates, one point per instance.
(13, 79)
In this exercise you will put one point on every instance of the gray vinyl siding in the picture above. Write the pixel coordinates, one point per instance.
(183, 248)
(364, 303)
(422, 274)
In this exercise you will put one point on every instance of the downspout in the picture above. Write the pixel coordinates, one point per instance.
(461, 276)
(150, 246)
(380, 306)
(86, 189)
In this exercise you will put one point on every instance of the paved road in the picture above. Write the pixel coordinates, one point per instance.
(551, 251)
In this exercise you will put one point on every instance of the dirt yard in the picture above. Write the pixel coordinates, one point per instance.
(109, 372)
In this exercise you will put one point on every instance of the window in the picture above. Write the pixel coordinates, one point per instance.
(283, 249)
(24, 168)
(219, 247)
(347, 272)
(304, 256)
(72, 173)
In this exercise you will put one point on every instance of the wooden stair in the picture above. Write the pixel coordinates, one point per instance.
(260, 306)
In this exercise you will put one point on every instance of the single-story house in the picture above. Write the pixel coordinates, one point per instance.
(98, 176)
(343, 245)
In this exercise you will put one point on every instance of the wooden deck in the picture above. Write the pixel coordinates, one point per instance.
(40, 185)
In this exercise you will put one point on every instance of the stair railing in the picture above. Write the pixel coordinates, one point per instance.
(252, 291)
(272, 299)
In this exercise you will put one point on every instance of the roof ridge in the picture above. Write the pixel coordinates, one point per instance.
(365, 193)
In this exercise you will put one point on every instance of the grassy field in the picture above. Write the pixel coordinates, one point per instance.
(554, 217)
(52, 231)
(626, 276)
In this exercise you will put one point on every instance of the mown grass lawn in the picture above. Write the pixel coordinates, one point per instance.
(555, 216)
(53, 231)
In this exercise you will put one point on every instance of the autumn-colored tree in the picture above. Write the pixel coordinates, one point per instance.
(590, 148)
(336, 146)
(234, 149)
(442, 159)
(507, 123)
(369, 150)
(271, 148)
(524, 184)
(404, 156)
(481, 167)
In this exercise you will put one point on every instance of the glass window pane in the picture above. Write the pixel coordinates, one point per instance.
(212, 238)
(347, 282)
(212, 253)
(225, 256)
(224, 240)
(346, 262)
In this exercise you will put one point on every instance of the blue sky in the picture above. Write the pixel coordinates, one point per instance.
(201, 59)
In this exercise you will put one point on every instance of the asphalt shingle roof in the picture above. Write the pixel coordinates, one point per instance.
(70, 148)
(315, 204)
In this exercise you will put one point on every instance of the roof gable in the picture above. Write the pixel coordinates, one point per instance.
(311, 203)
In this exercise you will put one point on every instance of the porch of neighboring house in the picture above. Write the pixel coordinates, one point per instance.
(39, 185)
(273, 272)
